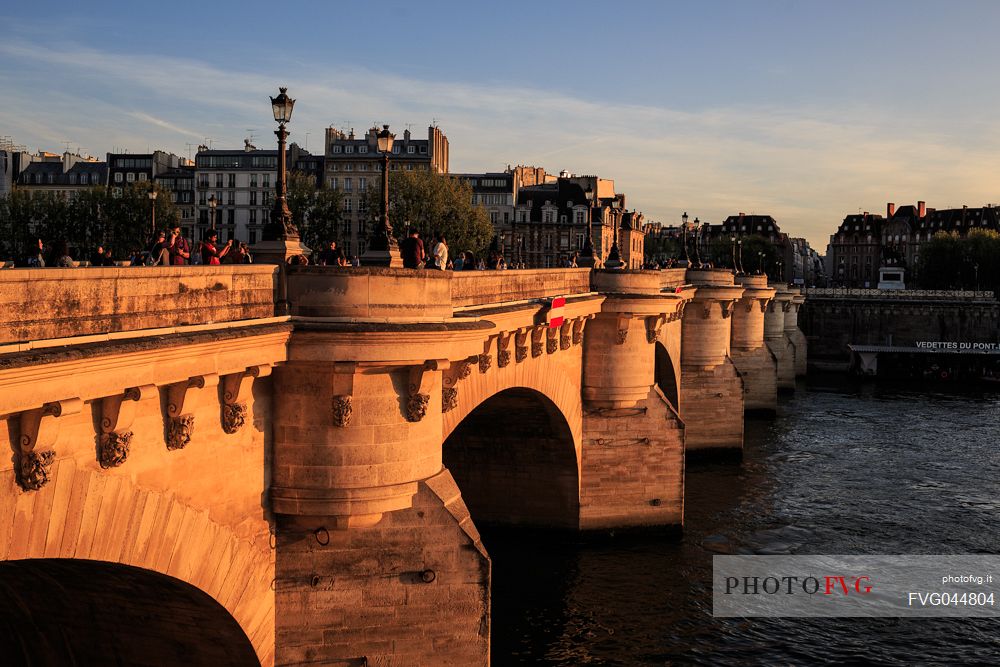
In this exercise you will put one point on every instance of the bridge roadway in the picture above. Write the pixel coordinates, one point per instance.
(309, 450)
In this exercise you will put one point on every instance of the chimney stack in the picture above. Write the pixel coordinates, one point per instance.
(890, 208)
(921, 209)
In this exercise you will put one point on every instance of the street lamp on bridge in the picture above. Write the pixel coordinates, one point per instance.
(382, 248)
(152, 210)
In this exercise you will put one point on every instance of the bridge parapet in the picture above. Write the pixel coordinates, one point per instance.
(41, 304)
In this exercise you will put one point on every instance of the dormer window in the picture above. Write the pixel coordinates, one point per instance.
(337, 149)
(348, 149)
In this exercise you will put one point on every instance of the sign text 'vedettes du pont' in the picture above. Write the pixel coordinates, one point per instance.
(945, 345)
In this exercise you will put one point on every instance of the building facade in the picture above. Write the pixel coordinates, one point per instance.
(242, 183)
(64, 176)
(124, 169)
(180, 184)
(864, 242)
(353, 164)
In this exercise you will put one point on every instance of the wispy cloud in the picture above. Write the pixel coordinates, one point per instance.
(806, 166)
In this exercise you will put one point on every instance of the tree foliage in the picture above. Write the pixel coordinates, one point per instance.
(949, 261)
(93, 217)
(434, 203)
(316, 213)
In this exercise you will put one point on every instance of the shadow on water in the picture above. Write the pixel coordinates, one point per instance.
(845, 467)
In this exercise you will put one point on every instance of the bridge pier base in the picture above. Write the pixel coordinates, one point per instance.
(753, 360)
(759, 370)
(711, 388)
(412, 589)
(632, 466)
(777, 339)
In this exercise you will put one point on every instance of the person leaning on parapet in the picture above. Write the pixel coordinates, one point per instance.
(180, 251)
(159, 252)
(412, 250)
(60, 255)
(331, 256)
(440, 252)
(210, 254)
(34, 255)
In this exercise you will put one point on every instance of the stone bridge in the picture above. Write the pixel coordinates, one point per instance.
(243, 464)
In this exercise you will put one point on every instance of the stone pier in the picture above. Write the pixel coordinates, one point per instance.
(632, 461)
(754, 361)
(711, 388)
(776, 339)
(794, 334)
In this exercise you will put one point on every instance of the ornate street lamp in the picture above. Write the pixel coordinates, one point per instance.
(280, 227)
(152, 209)
(732, 240)
(684, 234)
(587, 252)
(212, 204)
(614, 255)
(760, 262)
(382, 248)
(697, 243)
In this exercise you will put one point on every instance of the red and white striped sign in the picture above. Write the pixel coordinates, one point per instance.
(555, 315)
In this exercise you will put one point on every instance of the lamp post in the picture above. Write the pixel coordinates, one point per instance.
(732, 241)
(614, 255)
(212, 204)
(760, 262)
(697, 243)
(781, 273)
(281, 227)
(382, 248)
(152, 210)
(587, 252)
(280, 242)
(684, 233)
(739, 245)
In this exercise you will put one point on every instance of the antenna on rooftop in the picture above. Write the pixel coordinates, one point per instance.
(409, 126)
(434, 122)
(189, 145)
(67, 144)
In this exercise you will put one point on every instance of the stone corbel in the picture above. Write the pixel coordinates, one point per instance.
(39, 429)
(763, 304)
(236, 388)
(551, 340)
(521, 345)
(341, 405)
(621, 329)
(180, 425)
(578, 330)
(421, 382)
(485, 359)
(117, 414)
(727, 308)
(565, 335)
(653, 325)
(503, 354)
(786, 306)
(459, 370)
(748, 303)
(706, 309)
(536, 341)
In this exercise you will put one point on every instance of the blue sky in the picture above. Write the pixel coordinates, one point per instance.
(804, 110)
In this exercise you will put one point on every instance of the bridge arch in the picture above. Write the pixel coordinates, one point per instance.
(666, 376)
(87, 515)
(72, 611)
(516, 460)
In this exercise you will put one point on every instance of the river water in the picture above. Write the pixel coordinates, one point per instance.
(842, 469)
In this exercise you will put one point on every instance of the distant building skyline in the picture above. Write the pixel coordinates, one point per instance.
(801, 111)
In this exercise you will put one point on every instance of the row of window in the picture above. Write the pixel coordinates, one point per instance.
(133, 163)
(246, 161)
(348, 184)
(229, 180)
(397, 149)
(130, 177)
(265, 198)
(50, 179)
